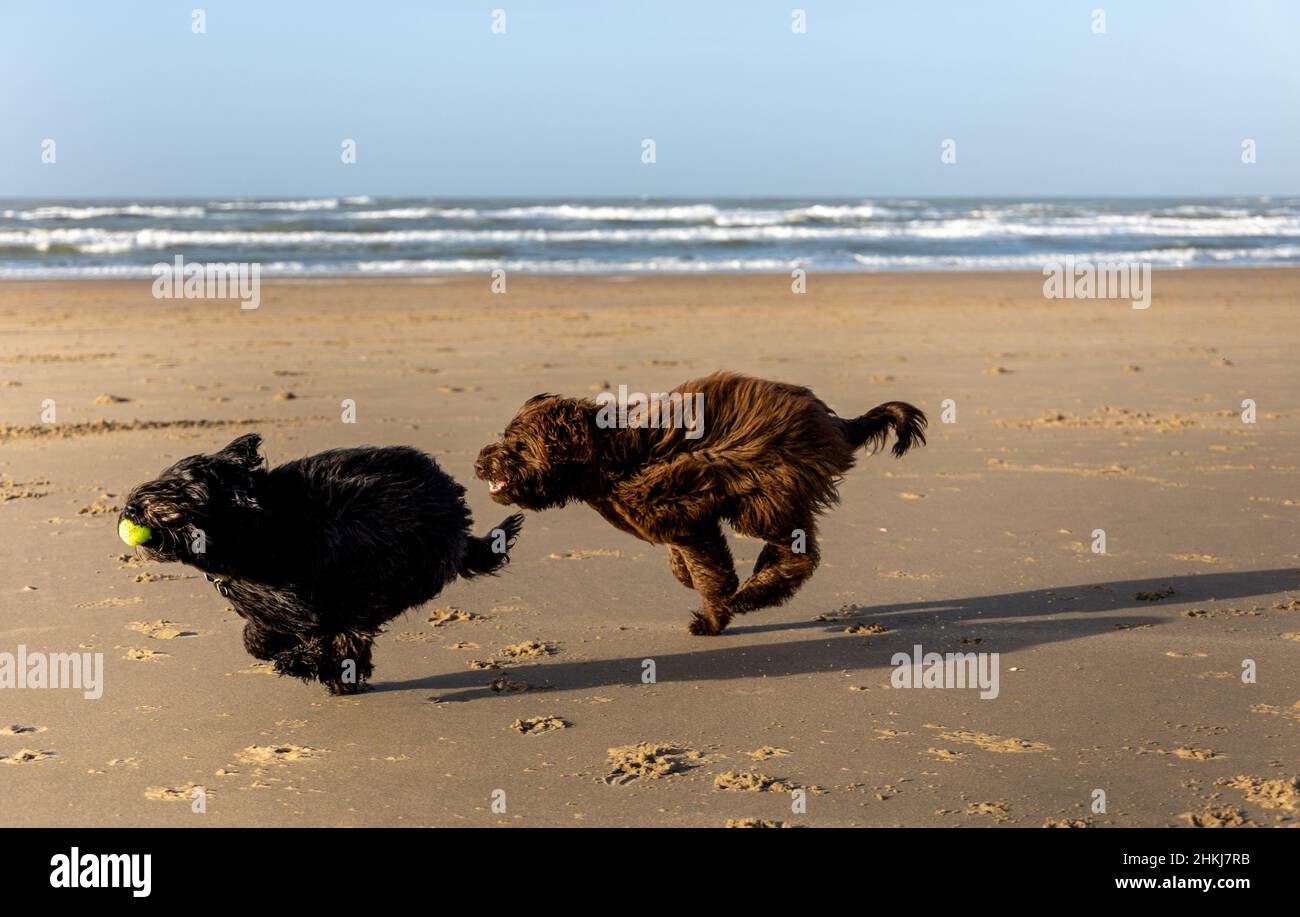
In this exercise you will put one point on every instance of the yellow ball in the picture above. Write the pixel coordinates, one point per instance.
(133, 534)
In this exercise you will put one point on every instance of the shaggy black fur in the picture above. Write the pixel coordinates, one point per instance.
(317, 554)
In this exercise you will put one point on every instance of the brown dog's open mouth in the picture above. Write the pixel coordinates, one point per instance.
(495, 487)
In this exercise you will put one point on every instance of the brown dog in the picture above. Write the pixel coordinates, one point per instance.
(763, 456)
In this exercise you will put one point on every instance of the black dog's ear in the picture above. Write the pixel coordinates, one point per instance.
(244, 450)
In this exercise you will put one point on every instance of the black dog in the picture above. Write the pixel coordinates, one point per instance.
(318, 554)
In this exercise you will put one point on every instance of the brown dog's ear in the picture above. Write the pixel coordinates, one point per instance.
(570, 430)
(540, 397)
(244, 450)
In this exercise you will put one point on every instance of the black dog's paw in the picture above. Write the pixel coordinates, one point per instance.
(298, 661)
(340, 662)
(338, 687)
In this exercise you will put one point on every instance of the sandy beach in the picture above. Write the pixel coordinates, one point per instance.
(1120, 672)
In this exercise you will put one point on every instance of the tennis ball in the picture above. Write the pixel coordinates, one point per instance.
(133, 534)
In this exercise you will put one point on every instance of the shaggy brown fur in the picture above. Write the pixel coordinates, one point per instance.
(767, 462)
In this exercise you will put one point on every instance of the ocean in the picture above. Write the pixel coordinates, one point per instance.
(417, 235)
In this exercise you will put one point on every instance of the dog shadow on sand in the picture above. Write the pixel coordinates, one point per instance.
(1002, 623)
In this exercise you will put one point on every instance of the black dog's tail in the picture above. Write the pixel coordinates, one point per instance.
(872, 428)
(488, 554)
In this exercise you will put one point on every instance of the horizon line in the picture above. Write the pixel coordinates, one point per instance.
(646, 197)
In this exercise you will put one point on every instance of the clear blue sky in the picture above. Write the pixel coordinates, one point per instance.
(737, 103)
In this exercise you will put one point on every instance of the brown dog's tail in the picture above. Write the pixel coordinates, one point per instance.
(871, 429)
(488, 554)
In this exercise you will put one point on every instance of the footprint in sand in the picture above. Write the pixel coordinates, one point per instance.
(278, 754)
(156, 577)
(1197, 754)
(257, 668)
(16, 490)
(529, 649)
(1282, 793)
(649, 761)
(110, 602)
(843, 613)
(584, 554)
(754, 823)
(450, 615)
(139, 654)
(1186, 752)
(538, 725)
(945, 754)
(768, 751)
(16, 730)
(500, 685)
(26, 756)
(183, 793)
(161, 629)
(995, 810)
(757, 782)
(1289, 713)
(100, 507)
(1220, 613)
(418, 637)
(988, 742)
(1218, 817)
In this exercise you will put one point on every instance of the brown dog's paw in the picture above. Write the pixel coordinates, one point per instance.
(703, 626)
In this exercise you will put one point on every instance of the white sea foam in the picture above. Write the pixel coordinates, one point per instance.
(690, 213)
(142, 271)
(95, 213)
(412, 213)
(321, 203)
(361, 234)
(1165, 257)
(575, 265)
(95, 240)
